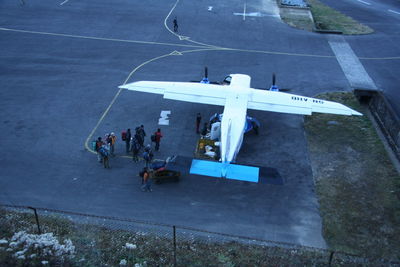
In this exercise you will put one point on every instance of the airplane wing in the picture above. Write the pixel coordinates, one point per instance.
(190, 92)
(258, 99)
(295, 104)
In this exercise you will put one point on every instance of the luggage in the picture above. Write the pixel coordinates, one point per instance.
(94, 145)
(123, 136)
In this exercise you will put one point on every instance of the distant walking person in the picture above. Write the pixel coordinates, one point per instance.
(157, 138)
(128, 140)
(146, 181)
(198, 121)
(175, 25)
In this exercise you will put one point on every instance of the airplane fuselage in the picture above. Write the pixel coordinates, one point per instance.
(234, 117)
(237, 97)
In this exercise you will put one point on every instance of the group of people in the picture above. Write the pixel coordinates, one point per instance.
(134, 143)
(105, 148)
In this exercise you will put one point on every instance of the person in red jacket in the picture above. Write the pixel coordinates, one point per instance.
(158, 135)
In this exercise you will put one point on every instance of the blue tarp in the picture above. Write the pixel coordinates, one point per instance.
(235, 172)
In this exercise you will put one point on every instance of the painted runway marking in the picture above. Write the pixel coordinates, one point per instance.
(99, 38)
(244, 12)
(164, 120)
(64, 2)
(177, 35)
(366, 3)
(176, 53)
(202, 47)
(210, 8)
(395, 12)
(350, 64)
(255, 14)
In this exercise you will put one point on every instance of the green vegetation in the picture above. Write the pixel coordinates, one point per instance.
(327, 18)
(357, 185)
(111, 246)
(300, 19)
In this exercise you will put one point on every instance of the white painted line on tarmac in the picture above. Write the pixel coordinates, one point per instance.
(366, 3)
(244, 11)
(350, 64)
(256, 14)
(395, 12)
(64, 2)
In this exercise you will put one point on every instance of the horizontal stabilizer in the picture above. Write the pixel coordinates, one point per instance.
(234, 171)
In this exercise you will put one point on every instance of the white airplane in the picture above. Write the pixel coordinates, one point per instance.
(237, 96)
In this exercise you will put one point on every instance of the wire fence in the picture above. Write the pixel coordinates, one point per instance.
(112, 241)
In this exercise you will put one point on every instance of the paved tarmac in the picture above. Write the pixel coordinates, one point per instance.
(60, 67)
(378, 52)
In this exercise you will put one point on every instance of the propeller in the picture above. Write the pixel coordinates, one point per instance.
(275, 87)
(205, 78)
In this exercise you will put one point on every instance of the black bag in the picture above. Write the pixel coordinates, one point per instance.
(153, 138)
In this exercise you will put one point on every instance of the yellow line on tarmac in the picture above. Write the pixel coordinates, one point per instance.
(166, 55)
(98, 38)
(120, 90)
(379, 58)
(99, 122)
(181, 37)
(200, 45)
(276, 53)
(114, 99)
(144, 63)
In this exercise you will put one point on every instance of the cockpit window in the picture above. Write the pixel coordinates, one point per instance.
(227, 80)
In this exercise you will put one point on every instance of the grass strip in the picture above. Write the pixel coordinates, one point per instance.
(357, 185)
(327, 18)
(107, 246)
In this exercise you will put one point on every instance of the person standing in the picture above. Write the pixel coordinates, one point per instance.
(175, 24)
(135, 149)
(128, 140)
(204, 130)
(147, 156)
(99, 144)
(140, 131)
(112, 141)
(105, 153)
(157, 138)
(198, 121)
(138, 138)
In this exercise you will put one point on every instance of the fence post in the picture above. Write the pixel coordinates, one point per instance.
(331, 258)
(174, 238)
(37, 219)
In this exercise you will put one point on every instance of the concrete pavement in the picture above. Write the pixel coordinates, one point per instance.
(61, 65)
